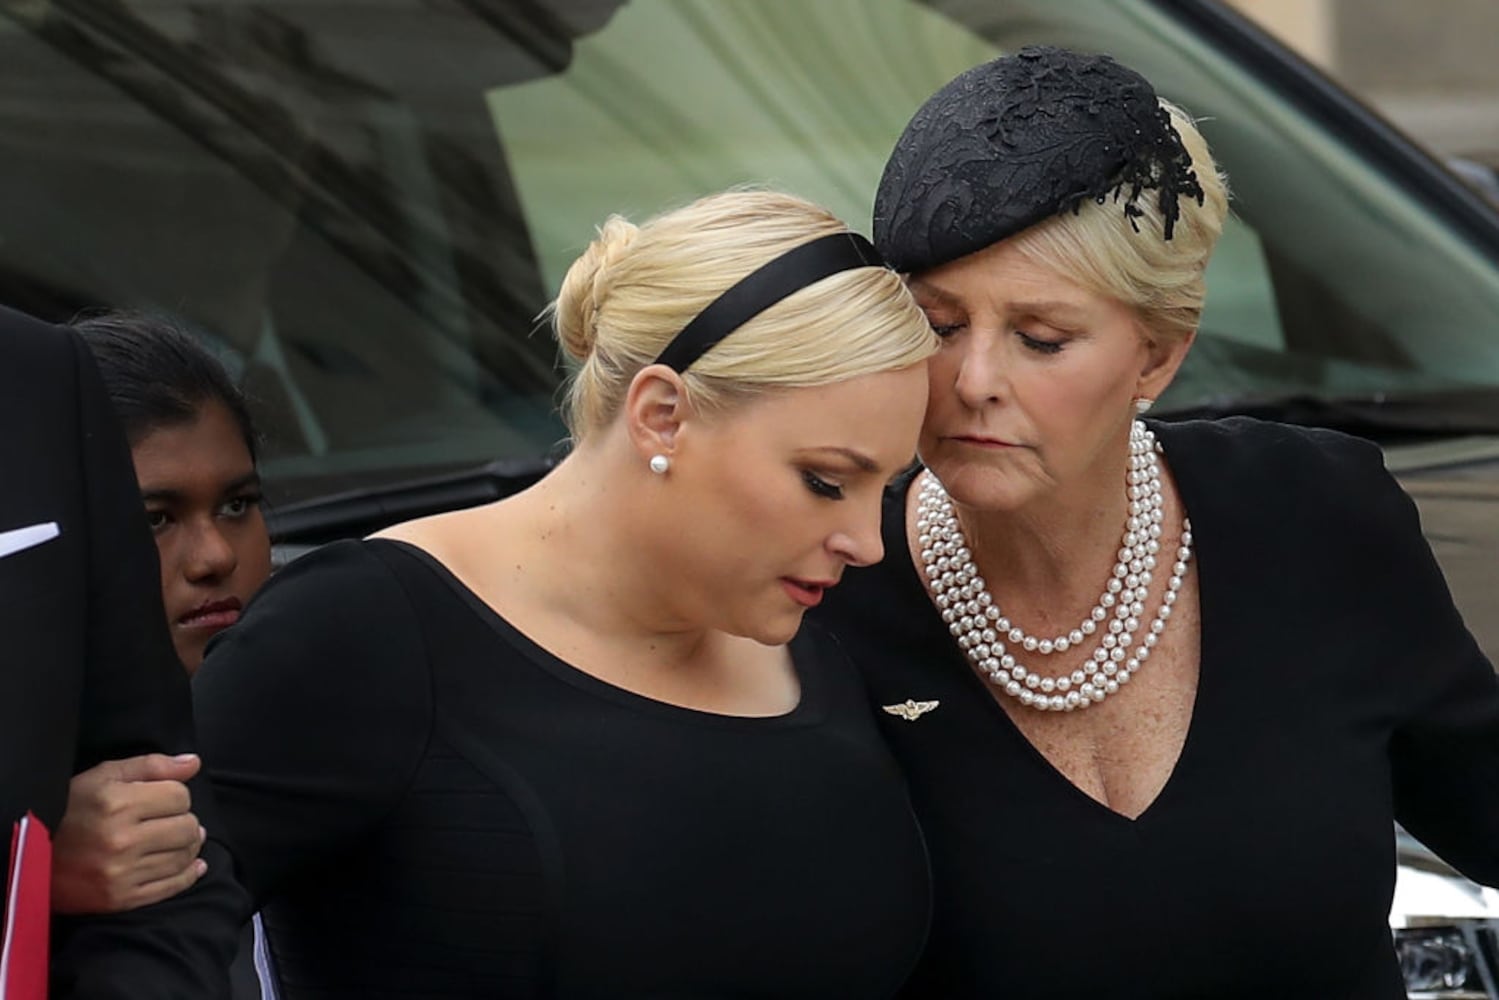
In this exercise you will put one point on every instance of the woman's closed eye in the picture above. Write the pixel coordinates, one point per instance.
(822, 487)
(1039, 344)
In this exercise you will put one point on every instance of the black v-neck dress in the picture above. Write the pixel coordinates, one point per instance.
(428, 804)
(1339, 691)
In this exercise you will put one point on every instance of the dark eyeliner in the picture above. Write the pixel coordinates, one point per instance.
(821, 487)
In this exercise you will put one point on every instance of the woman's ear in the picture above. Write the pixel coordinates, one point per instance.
(655, 408)
(1163, 358)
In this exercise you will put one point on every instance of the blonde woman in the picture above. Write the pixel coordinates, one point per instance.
(575, 743)
(1182, 678)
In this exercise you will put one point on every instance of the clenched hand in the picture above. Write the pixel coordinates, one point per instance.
(128, 837)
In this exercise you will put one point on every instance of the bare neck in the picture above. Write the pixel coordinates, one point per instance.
(578, 552)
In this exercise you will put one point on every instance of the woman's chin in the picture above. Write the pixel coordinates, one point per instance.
(984, 487)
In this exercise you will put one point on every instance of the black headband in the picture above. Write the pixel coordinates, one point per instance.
(763, 288)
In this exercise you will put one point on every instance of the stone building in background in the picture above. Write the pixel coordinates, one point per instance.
(1430, 66)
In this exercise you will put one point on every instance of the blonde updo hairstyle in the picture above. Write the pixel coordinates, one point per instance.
(1161, 279)
(636, 287)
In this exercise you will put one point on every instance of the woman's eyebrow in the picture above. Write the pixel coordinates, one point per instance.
(858, 458)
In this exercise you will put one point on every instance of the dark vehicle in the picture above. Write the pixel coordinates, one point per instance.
(364, 207)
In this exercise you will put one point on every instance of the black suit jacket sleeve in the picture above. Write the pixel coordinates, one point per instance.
(108, 652)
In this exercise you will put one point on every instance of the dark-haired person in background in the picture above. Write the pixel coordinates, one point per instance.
(128, 837)
(88, 670)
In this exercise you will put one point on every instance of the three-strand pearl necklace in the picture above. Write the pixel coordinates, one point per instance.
(990, 640)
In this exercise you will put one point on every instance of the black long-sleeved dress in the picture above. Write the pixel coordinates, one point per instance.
(1339, 691)
(431, 805)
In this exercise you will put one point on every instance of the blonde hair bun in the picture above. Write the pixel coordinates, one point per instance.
(585, 288)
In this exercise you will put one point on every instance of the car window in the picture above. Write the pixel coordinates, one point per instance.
(366, 208)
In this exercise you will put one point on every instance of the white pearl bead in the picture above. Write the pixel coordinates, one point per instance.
(1075, 636)
(1045, 646)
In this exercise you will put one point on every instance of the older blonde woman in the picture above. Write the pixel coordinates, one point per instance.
(573, 743)
(1161, 689)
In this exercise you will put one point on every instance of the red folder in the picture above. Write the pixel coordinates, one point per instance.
(28, 912)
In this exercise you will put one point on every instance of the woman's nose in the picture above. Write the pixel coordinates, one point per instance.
(980, 375)
(211, 555)
(860, 544)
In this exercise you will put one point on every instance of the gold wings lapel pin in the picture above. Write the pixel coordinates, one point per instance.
(911, 710)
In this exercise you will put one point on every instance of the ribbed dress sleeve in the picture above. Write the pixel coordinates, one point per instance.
(1444, 752)
(313, 713)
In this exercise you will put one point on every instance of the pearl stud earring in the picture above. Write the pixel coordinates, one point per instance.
(659, 464)
(1142, 404)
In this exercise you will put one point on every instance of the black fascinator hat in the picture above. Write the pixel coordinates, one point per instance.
(1015, 141)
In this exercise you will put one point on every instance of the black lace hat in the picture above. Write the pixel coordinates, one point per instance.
(1018, 140)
